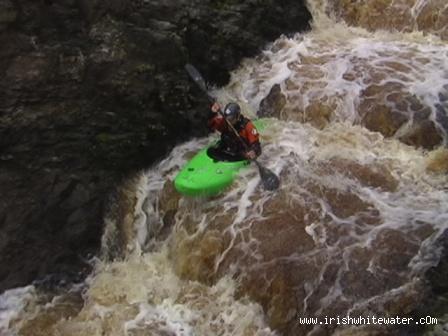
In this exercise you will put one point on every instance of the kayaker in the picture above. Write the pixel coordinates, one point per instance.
(230, 147)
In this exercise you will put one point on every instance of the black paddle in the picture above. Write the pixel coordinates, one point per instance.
(269, 179)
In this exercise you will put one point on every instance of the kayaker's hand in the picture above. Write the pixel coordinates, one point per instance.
(250, 155)
(215, 107)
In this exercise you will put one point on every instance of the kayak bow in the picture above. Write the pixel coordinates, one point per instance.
(205, 176)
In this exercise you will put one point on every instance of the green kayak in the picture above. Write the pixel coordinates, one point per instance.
(204, 175)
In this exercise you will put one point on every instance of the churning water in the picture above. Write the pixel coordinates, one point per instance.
(352, 229)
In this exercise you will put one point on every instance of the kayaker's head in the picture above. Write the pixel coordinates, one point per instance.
(232, 112)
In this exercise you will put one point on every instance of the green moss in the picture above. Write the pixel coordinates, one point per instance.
(144, 67)
(104, 137)
(8, 17)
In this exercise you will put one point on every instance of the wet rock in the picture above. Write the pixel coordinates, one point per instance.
(273, 103)
(433, 303)
(318, 114)
(385, 103)
(78, 195)
(438, 161)
(380, 15)
(223, 29)
(77, 225)
(437, 275)
(93, 92)
(8, 13)
(369, 175)
(423, 134)
(26, 69)
(421, 131)
(382, 119)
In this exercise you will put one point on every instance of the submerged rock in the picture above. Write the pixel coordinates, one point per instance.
(380, 95)
(311, 249)
(273, 103)
(394, 16)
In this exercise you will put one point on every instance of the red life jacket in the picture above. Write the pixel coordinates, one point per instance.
(245, 129)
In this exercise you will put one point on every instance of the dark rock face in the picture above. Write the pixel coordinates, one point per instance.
(94, 90)
(436, 295)
(437, 275)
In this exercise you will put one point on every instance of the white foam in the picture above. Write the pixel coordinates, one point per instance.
(143, 291)
(12, 303)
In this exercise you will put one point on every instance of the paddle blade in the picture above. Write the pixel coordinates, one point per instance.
(196, 76)
(269, 179)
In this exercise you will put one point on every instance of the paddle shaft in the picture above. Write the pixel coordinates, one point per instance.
(270, 180)
(199, 80)
(229, 124)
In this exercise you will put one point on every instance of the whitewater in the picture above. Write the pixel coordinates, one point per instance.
(357, 131)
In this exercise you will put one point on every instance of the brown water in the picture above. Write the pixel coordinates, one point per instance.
(351, 230)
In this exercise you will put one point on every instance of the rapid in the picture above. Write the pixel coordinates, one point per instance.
(357, 132)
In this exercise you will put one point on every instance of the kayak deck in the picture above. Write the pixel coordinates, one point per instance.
(206, 176)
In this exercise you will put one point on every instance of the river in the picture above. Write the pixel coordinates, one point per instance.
(354, 136)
